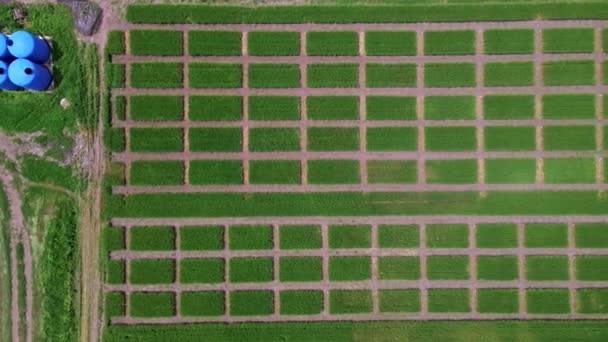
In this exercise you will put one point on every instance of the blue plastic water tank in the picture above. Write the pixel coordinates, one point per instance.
(29, 75)
(5, 82)
(23, 44)
(4, 53)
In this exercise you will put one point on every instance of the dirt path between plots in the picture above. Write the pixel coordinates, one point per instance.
(18, 234)
(90, 204)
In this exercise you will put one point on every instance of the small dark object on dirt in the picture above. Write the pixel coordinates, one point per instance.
(86, 14)
(19, 13)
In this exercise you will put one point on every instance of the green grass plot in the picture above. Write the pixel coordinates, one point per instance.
(202, 303)
(350, 301)
(449, 107)
(500, 107)
(349, 268)
(215, 108)
(151, 271)
(274, 107)
(270, 75)
(449, 75)
(156, 172)
(250, 237)
(390, 43)
(547, 301)
(333, 171)
(546, 267)
(447, 236)
(215, 172)
(448, 300)
(447, 267)
(591, 267)
(508, 74)
(333, 139)
(569, 72)
(300, 236)
(496, 235)
(569, 170)
(274, 172)
(333, 75)
(214, 43)
(251, 303)
(152, 304)
(332, 43)
(201, 271)
(156, 108)
(201, 238)
(151, 139)
(498, 301)
(503, 267)
(568, 40)
(545, 235)
(399, 300)
(510, 171)
(508, 41)
(391, 171)
(390, 75)
(273, 43)
(332, 107)
(115, 272)
(294, 302)
(151, 238)
(399, 268)
(568, 106)
(592, 301)
(569, 138)
(591, 235)
(156, 42)
(349, 236)
(455, 171)
(453, 139)
(157, 75)
(510, 138)
(449, 42)
(215, 139)
(114, 238)
(215, 75)
(391, 138)
(269, 139)
(390, 107)
(300, 269)
(398, 236)
(247, 270)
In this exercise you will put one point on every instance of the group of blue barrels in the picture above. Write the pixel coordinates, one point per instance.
(22, 58)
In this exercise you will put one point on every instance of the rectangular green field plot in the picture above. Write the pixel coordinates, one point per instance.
(452, 42)
(502, 267)
(333, 75)
(449, 300)
(449, 75)
(508, 74)
(215, 139)
(332, 107)
(274, 172)
(116, 75)
(274, 108)
(247, 270)
(546, 267)
(214, 43)
(251, 303)
(569, 170)
(215, 172)
(249, 237)
(509, 171)
(156, 42)
(114, 238)
(332, 43)
(510, 138)
(498, 300)
(398, 236)
(447, 267)
(333, 139)
(457, 138)
(203, 303)
(201, 238)
(269, 139)
(115, 272)
(508, 41)
(591, 235)
(455, 171)
(390, 43)
(390, 107)
(300, 236)
(349, 236)
(399, 300)
(569, 72)
(308, 302)
(268, 75)
(568, 106)
(115, 304)
(215, 108)
(152, 304)
(157, 75)
(349, 268)
(391, 171)
(391, 138)
(545, 235)
(201, 271)
(156, 108)
(165, 139)
(447, 236)
(399, 267)
(547, 301)
(350, 301)
(496, 235)
(156, 172)
(151, 271)
(273, 43)
(591, 267)
(300, 269)
(151, 238)
(500, 107)
(592, 301)
(569, 138)
(449, 107)
(215, 75)
(329, 171)
(390, 75)
(568, 40)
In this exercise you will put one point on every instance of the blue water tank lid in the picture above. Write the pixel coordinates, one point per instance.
(21, 44)
(3, 71)
(21, 72)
